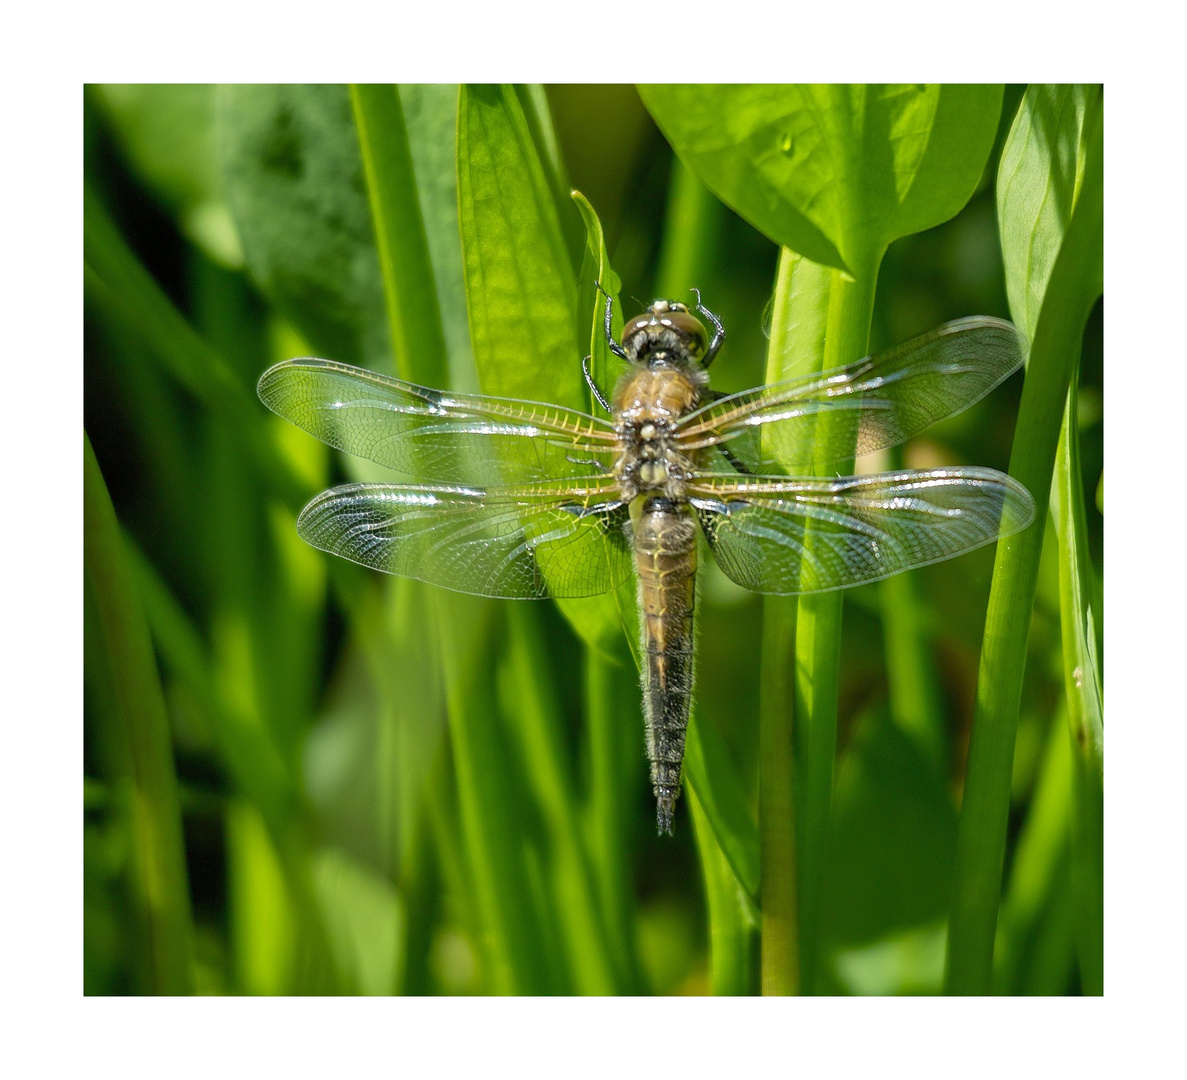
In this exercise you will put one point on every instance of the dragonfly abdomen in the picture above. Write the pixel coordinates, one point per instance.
(666, 558)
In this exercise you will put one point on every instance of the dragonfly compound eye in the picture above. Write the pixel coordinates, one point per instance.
(689, 327)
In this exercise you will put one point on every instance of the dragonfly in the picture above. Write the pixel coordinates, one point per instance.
(530, 500)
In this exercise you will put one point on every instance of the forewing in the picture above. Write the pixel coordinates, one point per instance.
(526, 543)
(891, 396)
(435, 435)
(776, 535)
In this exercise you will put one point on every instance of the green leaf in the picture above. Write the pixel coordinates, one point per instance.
(1042, 168)
(520, 290)
(495, 810)
(834, 172)
(294, 178)
(722, 799)
(1072, 288)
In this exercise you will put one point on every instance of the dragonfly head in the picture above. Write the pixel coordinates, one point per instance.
(667, 334)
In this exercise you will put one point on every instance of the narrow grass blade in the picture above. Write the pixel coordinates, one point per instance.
(1067, 298)
(1039, 884)
(408, 282)
(147, 781)
(575, 896)
(263, 782)
(115, 279)
(494, 807)
(1082, 675)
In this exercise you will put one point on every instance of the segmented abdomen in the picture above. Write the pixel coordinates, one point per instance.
(666, 556)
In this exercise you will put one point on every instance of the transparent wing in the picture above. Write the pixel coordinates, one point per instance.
(525, 543)
(435, 435)
(777, 535)
(891, 397)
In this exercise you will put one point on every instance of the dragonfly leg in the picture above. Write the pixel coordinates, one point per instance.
(593, 386)
(615, 348)
(585, 461)
(718, 332)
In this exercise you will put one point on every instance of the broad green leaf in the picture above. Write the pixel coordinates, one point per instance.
(519, 286)
(293, 175)
(1071, 289)
(834, 172)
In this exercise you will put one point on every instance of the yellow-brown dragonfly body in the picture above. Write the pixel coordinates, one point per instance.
(529, 500)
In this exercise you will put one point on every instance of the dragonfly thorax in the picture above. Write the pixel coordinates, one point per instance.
(648, 405)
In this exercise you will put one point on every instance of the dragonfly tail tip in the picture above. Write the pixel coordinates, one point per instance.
(664, 813)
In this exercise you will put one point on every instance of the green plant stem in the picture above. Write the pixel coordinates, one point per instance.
(817, 637)
(1083, 683)
(409, 286)
(159, 886)
(982, 840)
(691, 226)
(776, 802)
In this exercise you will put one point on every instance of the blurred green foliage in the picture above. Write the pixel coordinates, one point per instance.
(386, 789)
